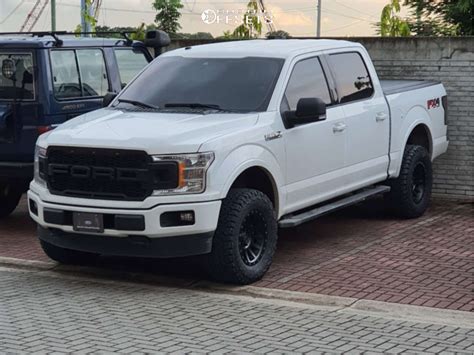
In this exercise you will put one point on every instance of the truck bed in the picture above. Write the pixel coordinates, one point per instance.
(391, 87)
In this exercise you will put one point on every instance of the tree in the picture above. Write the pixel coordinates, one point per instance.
(391, 24)
(251, 26)
(442, 17)
(168, 16)
(278, 34)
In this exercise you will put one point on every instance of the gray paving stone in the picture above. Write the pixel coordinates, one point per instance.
(45, 314)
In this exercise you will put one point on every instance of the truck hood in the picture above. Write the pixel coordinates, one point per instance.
(153, 132)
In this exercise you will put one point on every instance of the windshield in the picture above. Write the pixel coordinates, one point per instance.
(21, 85)
(233, 84)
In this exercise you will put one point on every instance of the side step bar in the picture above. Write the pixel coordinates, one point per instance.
(294, 220)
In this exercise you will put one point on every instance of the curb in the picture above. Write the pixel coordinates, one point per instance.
(418, 314)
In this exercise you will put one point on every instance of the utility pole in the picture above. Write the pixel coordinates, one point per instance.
(318, 32)
(85, 11)
(53, 15)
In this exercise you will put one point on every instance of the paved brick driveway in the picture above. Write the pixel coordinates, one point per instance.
(361, 252)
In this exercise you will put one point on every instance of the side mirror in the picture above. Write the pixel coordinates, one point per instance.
(157, 39)
(307, 110)
(108, 98)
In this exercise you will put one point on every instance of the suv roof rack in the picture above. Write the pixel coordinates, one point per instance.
(59, 42)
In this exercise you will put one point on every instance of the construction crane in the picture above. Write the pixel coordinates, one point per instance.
(268, 22)
(34, 15)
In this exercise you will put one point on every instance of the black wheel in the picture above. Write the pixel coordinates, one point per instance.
(67, 256)
(9, 198)
(245, 239)
(411, 191)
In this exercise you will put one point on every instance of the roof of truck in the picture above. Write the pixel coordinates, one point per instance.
(277, 48)
(28, 41)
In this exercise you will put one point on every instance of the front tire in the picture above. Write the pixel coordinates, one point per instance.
(245, 239)
(411, 192)
(67, 256)
(10, 196)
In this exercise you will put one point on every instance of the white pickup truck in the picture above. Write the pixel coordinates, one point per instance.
(211, 148)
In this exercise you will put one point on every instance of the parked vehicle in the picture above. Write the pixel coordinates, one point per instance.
(47, 79)
(233, 141)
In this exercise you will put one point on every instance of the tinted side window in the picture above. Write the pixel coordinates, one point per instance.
(93, 73)
(130, 63)
(353, 79)
(307, 80)
(65, 74)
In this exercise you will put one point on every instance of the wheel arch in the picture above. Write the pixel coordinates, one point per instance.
(258, 178)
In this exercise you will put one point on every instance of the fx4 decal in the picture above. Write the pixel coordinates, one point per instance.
(433, 103)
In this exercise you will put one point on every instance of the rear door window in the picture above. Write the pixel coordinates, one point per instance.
(20, 86)
(130, 62)
(92, 72)
(79, 73)
(352, 77)
(65, 74)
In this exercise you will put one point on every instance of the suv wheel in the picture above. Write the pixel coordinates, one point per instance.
(67, 256)
(411, 191)
(245, 239)
(9, 199)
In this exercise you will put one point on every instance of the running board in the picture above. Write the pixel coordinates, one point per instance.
(294, 220)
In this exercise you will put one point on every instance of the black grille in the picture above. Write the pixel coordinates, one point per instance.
(106, 173)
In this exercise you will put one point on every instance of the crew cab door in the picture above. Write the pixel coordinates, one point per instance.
(315, 151)
(367, 118)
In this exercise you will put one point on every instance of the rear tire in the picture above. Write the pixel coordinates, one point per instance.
(245, 239)
(10, 196)
(411, 192)
(67, 256)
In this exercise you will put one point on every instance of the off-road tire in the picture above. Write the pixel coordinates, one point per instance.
(244, 213)
(406, 200)
(9, 198)
(67, 256)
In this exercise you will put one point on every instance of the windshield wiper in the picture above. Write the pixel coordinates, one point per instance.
(195, 105)
(138, 103)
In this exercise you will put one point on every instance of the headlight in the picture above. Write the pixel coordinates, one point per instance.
(192, 169)
(40, 165)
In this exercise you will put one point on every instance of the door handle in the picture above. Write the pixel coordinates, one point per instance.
(339, 127)
(381, 116)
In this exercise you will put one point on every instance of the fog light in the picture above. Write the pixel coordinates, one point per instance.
(178, 218)
(187, 217)
(33, 207)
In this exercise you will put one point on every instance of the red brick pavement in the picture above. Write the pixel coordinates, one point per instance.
(361, 252)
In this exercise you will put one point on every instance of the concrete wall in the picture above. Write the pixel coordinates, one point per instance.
(451, 61)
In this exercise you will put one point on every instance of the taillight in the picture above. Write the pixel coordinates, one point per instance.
(444, 100)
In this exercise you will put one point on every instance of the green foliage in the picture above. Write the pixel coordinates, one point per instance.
(251, 26)
(278, 34)
(391, 24)
(168, 16)
(442, 17)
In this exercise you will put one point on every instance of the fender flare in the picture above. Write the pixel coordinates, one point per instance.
(251, 156)
(415, 117)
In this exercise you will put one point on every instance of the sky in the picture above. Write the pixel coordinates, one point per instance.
(298, 17)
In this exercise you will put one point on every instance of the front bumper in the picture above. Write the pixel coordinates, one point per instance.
(153, 240)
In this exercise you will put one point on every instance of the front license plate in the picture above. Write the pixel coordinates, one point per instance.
(88, 222)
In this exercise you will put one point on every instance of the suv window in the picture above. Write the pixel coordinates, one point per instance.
(307, 80)
(352, 78)
(21, 86)
(93, 72)
(79, 73)
(130, 62)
